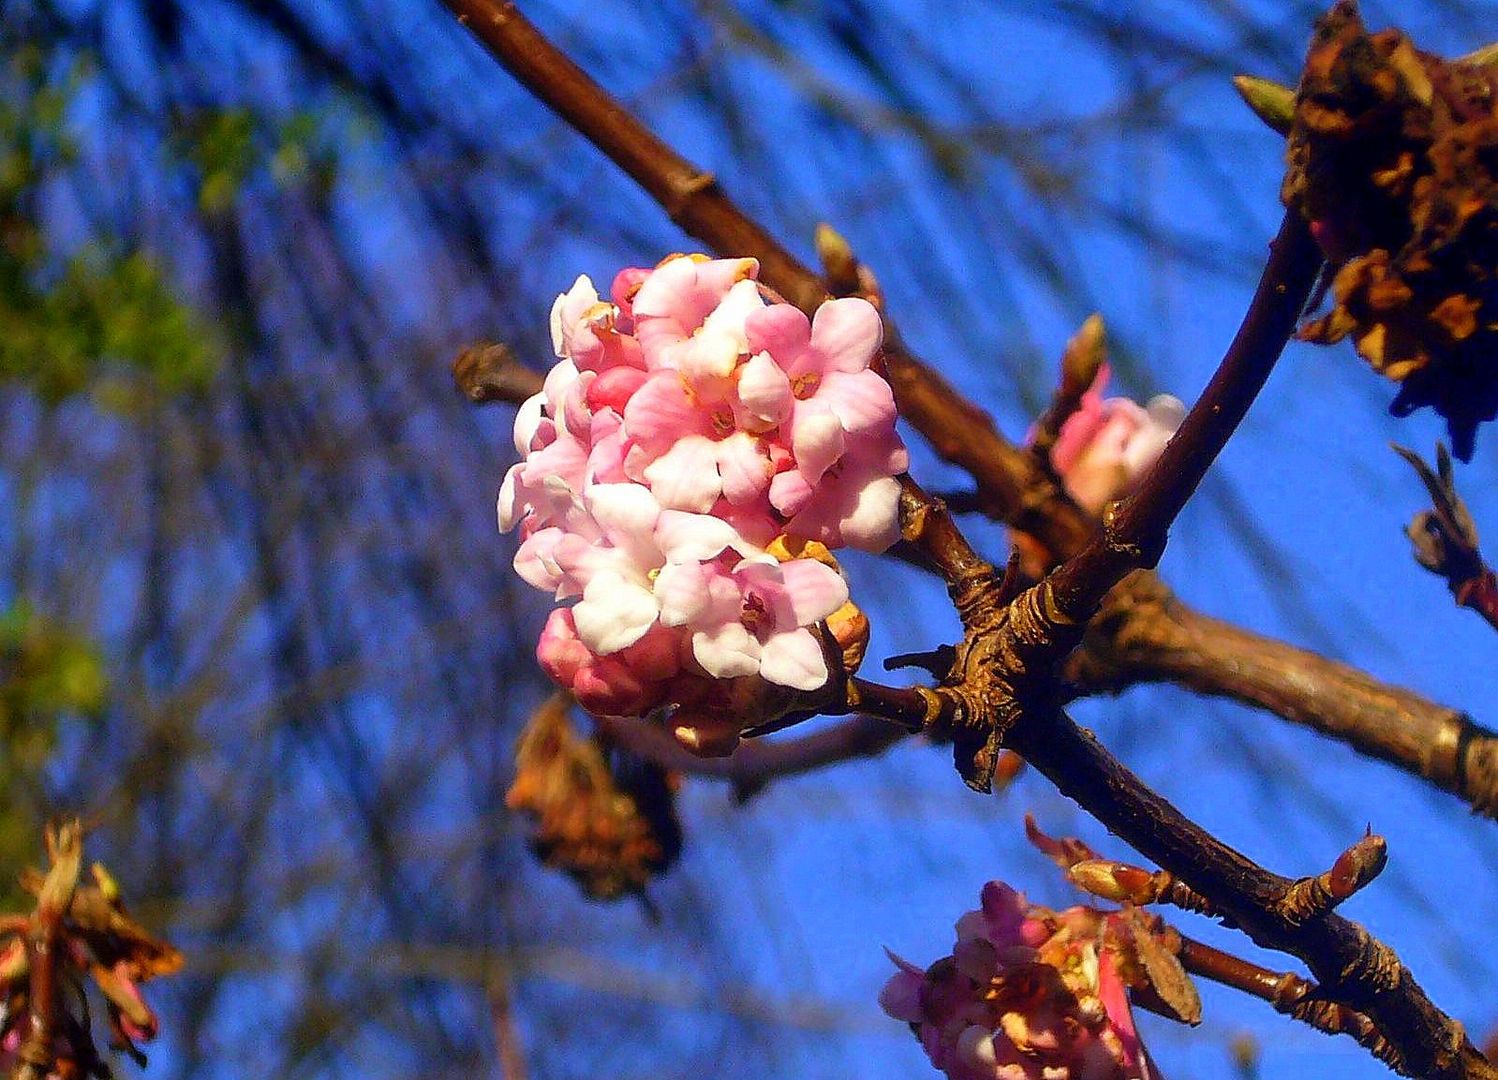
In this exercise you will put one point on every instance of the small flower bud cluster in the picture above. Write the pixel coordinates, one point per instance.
(1107, 445)
(1028, 993)
(691, 441)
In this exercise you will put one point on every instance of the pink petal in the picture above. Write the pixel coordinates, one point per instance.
(848, 332)
(780, 330)
(861, 401)
(626, 284)
(613, 388)
(686, 476)
(660, 411)
(901, 997)
(576, 417)
(793, 659)
(764, 389)
(744, 467)
(535, 560)
(1081, 426)
(558, 650)
(565, 459)
(814, 590)
(817, 440)
(789, 492)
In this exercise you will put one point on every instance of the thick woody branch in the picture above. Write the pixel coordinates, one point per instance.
(1297, 685)
(1144, 634)
(999, 678)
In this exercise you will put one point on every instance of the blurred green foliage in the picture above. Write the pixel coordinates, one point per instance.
(47, 672)
(66, 319)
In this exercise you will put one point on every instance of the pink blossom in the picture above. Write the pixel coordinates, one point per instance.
(752, 617)
(1106, 446)
(688, 424)
(1027, 993)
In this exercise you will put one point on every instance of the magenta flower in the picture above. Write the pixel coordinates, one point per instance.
(1105, 447)
(1027, 994)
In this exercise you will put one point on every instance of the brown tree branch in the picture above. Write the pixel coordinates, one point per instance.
(1355, 969)
(1289, 993)
(755, 764)
(1366, 975)
(1144, 634)
(1134, 533)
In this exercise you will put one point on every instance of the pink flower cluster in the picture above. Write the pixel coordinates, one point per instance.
(690, 424)
(1027, 994)
(1106, 446)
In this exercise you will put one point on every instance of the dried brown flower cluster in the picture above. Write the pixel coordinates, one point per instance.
(1392, 159)
(608, 824)
(79, 929)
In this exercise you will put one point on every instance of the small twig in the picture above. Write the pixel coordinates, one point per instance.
(44, 948)
(753, 765)
(1445, 537)
(506, 1034)
(489, 372)
(1290, 994)
(1359, 970)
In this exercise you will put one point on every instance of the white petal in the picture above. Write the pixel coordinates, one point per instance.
(684, 537)
(794, 659)
(873, 524)
(681, 591)
(527, 420)
(727, 652)
(510, 508)
(613, 613)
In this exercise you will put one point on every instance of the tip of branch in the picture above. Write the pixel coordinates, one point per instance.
(1272, 103)
(488, 371)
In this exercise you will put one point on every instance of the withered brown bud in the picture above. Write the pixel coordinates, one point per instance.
(1392, 158)
(606, 819)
